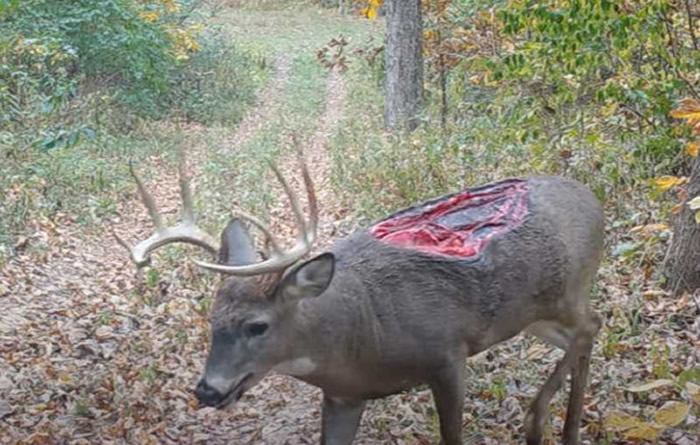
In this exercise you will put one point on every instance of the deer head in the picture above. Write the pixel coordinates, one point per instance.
(250, 319)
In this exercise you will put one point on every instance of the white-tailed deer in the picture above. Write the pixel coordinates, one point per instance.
(404, 302)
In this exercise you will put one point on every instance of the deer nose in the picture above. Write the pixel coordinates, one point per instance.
(207, 395)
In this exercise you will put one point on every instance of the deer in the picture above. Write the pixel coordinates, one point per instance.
(372, 317)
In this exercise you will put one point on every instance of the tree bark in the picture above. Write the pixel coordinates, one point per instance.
(404, 64)
(683, 262)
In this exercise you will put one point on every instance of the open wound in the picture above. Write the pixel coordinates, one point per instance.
(458, 225)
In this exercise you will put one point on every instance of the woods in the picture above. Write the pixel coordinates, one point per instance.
(394, 103)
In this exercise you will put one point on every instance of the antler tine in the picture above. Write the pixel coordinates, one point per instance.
(185, 232)
(147, 198)
(280, 260)
(311, 231)
(296, 208)
(313, 204)
(185, 190)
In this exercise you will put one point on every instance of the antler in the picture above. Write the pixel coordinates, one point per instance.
(280, 260)
(184, 232)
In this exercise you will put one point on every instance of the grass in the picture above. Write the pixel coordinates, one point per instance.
(82, 183)
(233, 176)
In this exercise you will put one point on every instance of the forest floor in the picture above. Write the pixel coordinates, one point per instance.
(93, 352)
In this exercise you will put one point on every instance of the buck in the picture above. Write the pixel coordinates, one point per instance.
(404, 302)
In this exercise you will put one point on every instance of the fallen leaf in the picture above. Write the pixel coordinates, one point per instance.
(650, 228)
(645, 431)
(5, 409)
(692, 149)
(694, 203)
(21, 242)
(649, 386)
(65, 378)
(672, 413)
(104, 332)
(689, 110)
(693, 391)
(618, 420)
(666, 182)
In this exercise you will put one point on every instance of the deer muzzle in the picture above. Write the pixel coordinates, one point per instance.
(215, 396)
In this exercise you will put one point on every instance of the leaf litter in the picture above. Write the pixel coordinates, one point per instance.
(93, 352)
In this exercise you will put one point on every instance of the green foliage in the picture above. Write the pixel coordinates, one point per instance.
(81, 81)
(49, 44)
(215, 83)
(606, 67)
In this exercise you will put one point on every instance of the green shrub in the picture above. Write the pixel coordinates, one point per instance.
(216, 83)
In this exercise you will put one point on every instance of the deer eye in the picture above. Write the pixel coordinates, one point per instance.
(255, 329)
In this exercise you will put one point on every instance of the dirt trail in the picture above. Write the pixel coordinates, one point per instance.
(83, 360)
(292, 408)
(317, 159)
(33, 285)
(268, 101)
(81, 357)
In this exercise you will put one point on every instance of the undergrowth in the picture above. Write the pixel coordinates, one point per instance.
(76, 109)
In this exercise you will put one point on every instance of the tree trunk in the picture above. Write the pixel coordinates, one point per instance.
(404, 64)
(683, 262)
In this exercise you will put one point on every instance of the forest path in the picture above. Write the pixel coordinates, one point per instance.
(92, 352)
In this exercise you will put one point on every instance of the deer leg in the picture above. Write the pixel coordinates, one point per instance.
(448, 392)
(554, 333)
(579, 378)
(340, 420)
(536, 416)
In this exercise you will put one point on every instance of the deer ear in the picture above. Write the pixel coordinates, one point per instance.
(236, 245)
(310, 279)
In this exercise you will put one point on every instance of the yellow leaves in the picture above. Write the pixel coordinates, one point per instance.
(617, 420)
(150, 16)
(155, 9)
(664, 183)
(183, 37)
(171, 6)
(631, 427)
(644, 431)
(185, 41)
(690, 111)
(609, 109)
(430, 34)
(65, 378)
(371, 8)
(671, 413)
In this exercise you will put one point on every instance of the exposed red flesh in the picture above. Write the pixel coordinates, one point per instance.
(458, 225)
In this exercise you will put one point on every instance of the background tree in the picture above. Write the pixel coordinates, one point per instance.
(404, 63)
(683, 260)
